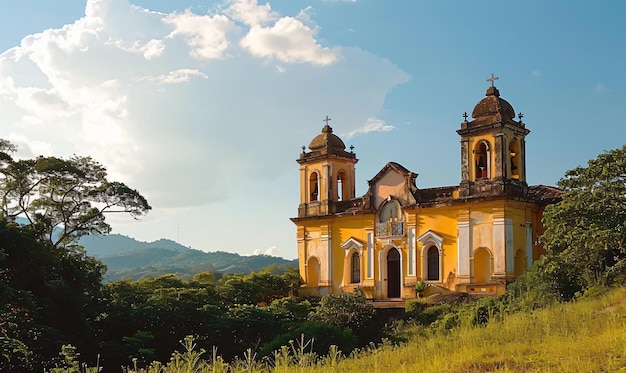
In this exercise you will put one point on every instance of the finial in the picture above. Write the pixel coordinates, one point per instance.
(327, 119)
(303, 149)
(465, 117)
(520, 115)
(492, 79)
(351, 148)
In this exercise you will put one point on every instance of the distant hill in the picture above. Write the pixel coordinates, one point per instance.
(127, 258)
(111, 244)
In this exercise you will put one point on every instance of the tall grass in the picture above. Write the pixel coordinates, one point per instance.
(586, 335)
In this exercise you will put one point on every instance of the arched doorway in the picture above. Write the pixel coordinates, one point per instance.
(433, 264)
(482, 265)
(393, 273)
(313, 272)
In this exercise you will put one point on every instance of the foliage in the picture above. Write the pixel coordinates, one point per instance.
(48, 295)
(168, 306)
(320, 336)
(420, 287)
(583, 336)
(62, 200)
(423, 313)
(50, 288)
(345, 310)
(585, 233)
(258, 288)
(11, 348)
(204, 278)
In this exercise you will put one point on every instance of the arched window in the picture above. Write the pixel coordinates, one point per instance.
(340, 186)
(433, 264)
(355, 268)
(515, 157)
(431, 255)
(314, 186)
(482, 160)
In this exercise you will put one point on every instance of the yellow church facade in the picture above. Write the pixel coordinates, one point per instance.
(473, 237)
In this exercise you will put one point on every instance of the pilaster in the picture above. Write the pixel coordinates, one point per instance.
(502, 247)
(464, 242)
(499, 147)
(529, 244)
(464, 160)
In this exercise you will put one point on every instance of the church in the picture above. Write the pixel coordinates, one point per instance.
(474, 237)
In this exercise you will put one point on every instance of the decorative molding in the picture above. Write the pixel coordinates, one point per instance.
(352, 243)
(429, 237)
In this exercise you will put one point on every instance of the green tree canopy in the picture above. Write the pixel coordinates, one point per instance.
(345, 310)
(585, 235)
(63, 200)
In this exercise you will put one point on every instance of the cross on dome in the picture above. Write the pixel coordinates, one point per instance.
(492, 79)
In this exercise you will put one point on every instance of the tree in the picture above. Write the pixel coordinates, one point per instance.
(48, 297)
(585, 235)
(48, 281)
(345, 310)
(62, 200)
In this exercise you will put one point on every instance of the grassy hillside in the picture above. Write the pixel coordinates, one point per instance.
(588, 335)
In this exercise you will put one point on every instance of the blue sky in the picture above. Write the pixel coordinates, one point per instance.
(203, 106)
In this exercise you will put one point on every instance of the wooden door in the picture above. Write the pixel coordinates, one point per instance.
(393, 273)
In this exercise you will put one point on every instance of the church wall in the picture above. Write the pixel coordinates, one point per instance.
(313, 241)
(522, 218)
(322, 239)
(391, 184)
(443, 222)
(344, 228)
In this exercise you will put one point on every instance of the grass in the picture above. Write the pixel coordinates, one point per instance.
(587, 335)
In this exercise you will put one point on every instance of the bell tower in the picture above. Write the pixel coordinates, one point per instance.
(493, 148)
(327, 175)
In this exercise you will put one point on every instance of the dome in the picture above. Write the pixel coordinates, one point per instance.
(492, 106)
(327, 139)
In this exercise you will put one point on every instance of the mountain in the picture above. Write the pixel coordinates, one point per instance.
(127, 258)
(112, 244)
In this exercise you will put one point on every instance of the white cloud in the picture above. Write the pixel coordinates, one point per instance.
(372, 125)
(207, 36)
(172, 106)
(269, 251)
(176, 77)
(250, 13)
(151, 49)
(290, 41)
(30, 148)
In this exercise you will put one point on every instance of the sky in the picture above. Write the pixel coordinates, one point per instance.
(204, 106)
